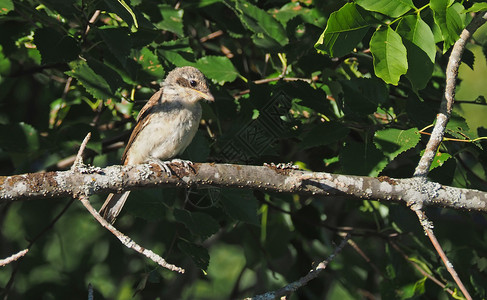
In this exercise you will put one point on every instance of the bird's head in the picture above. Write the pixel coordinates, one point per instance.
(189, 84)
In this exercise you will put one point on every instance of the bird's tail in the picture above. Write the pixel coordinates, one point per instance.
(113, 206)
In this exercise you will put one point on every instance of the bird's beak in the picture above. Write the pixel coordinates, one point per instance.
(206, 95)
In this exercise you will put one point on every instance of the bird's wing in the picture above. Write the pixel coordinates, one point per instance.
(142, 119)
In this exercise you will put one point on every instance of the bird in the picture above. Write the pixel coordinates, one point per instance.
(165, 126)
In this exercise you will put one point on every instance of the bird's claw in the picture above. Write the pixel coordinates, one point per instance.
(282, 166)
(164, 165)
(186, 163)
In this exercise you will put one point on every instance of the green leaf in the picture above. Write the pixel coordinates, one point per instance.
(293, 9)
(177, 53)
(414, 29)
(391, 8)
(421, 50)
(420, 68)
(448, 18)
(363, 95)
(150, 63)
(344, 30)
(55, 46)
(198, 223)
(439, 160)
(200, 3)
(172, 19)
(149, 204)
(129, 10)
(390, 56)
(67, 8)
(117, 40)
(240, 205)
(19, 137)
(5, 63)
(362, 159)
(217, 68)
(393, 142)
(476, 7)
(94, 83)
(6, 6)
(261, 23)
(113, 79)
(198, 254)
(324, 134)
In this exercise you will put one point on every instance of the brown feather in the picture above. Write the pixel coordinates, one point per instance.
(142, 119)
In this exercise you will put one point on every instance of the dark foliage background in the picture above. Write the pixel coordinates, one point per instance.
(286, 90)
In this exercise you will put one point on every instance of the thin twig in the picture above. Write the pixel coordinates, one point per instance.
(365, 257)
(428, 228)
(293, 286)
(13, 257)
(10, 282)
(417, 267)
(92, 21)
(90, 292)
(78, 162)
(211, 36)
(125, 240)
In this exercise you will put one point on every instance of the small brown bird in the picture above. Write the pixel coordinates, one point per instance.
(165, 127)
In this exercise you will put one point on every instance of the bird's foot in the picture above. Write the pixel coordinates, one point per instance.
(164, 165)
(282, 166)
(186, 163)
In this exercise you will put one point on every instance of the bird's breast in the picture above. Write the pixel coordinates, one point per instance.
(167, 134)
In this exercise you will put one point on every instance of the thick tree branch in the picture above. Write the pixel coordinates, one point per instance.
(91, 180)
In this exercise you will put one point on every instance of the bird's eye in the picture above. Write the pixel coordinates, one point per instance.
(193, 83)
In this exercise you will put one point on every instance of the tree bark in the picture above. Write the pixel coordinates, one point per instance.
(89, 180)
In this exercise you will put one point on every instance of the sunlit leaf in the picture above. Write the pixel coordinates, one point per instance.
(217, 68)
(448, 18)
(390, 56)
(439, 160)
(476, 7)
(392, 8)
(99, 86)
(344, 30)
(172, 19)
(394, 141)
(6, 6)
(261, 23)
